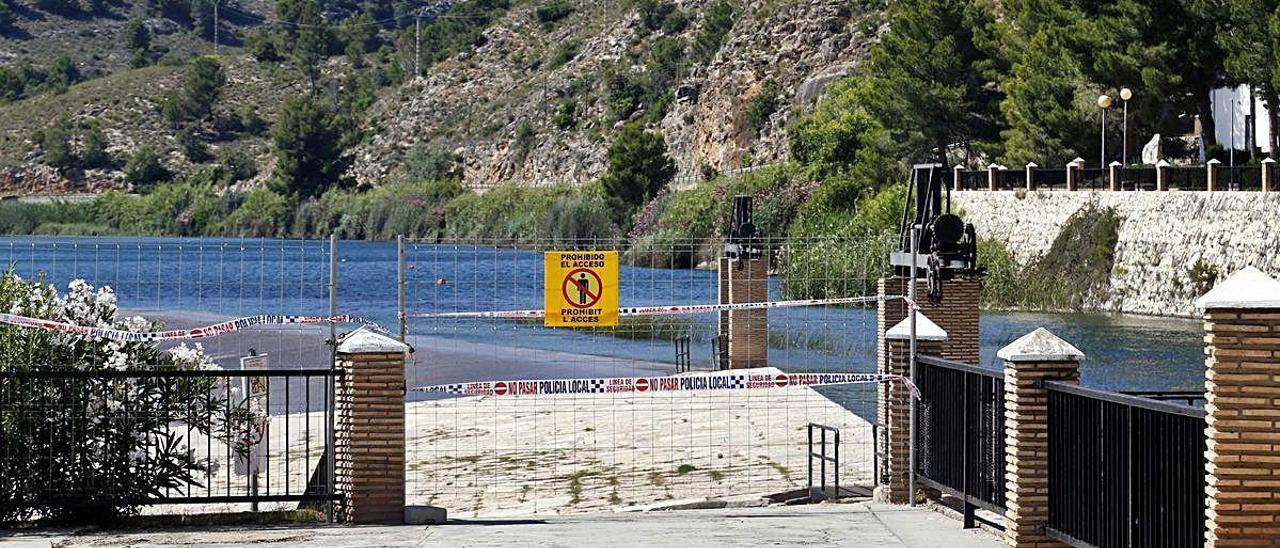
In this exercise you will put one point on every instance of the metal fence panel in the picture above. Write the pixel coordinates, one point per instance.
(1124, 471)
(960, 441)
(584, 452)
(196, 420)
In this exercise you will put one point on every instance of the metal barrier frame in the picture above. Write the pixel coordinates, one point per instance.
(971, 503)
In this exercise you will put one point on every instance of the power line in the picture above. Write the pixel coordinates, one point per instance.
(378, 23)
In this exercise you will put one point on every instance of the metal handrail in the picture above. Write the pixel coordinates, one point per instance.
(952, 364)
(1125, 399)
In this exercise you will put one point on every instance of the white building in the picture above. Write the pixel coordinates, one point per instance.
(1230, 109)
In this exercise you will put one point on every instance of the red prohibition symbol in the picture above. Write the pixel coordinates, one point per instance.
(577, 285)
(642, 384)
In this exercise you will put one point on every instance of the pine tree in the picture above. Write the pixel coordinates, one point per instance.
(638, 168)
(308, 147)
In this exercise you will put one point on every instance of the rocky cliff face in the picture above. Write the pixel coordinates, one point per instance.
(494, 106)
(1172, 246)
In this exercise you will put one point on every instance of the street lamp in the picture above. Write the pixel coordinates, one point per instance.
(1125, 95)
(1104, 103)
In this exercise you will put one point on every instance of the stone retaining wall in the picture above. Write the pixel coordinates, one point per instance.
(1161, 237)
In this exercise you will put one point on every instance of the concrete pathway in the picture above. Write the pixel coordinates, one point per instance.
(855, 524)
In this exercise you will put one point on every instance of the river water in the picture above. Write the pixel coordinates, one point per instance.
(234, 277)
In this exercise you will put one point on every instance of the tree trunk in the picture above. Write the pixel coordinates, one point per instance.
(1205, 109)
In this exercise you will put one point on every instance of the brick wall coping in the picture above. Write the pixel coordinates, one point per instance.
(1040, 346)
(367, 341)
(926, 330)
(1247, 288)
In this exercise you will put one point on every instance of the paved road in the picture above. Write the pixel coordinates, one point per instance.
(856, 524)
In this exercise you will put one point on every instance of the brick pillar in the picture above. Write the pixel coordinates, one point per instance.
(748, 330)
(370, 428)
(1268, 175)
(1031, 175)
(1162, 175)
(1071, 175)
(955, 177)
(957, 314)
(894, 406)
(1113, 175)
(1037, 356)
(1211, 174)
(991, 176)
(1242, 345)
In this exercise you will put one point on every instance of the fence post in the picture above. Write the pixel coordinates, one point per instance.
(1162, 175)
(371, 428)
(1211, 174)
(1031, 175)
(1113, 175)
(956, 313)
(956, 175)
(1242, 345)
(991, 176)
(894, 405)
(1036, 357)
(401, 288)
(1072, 175)
(1268, 174)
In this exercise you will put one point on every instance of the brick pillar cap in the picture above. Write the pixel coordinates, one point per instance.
(1247, 288)
(1040, 346)
(1162, 163)
(926, 330)
(1214, 161)
(1268, 161)
(1115, 163)
(367, 341)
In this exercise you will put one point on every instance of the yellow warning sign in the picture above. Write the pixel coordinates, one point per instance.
(581, 288)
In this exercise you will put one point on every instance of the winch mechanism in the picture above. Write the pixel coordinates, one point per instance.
(947, 245)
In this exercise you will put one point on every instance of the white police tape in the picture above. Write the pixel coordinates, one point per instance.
(216, 329)
(667, 309)
(616, 385)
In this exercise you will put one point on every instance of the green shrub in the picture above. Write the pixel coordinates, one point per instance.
(566, 115)
(261, 215)
(112, 439)
(566, 52)
(837, 252)
(762, 105)
(553, 10)
(431, 163)
(144, 169)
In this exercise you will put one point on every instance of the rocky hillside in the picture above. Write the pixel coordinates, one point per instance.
(501, 106)
(535, 100)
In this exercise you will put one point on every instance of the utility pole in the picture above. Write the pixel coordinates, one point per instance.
(417, 43)
(215, 27)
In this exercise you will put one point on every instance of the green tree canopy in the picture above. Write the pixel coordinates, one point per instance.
(638, 168)
(308, 147)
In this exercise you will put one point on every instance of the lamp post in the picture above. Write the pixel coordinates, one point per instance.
(1125, 95)
(1231, 156)
(1104, 102)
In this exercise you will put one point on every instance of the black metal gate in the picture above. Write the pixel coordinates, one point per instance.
(76, 439)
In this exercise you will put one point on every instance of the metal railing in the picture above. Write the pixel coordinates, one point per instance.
(1093, 178)
(823, 458)
(1137, 178)
(971, 179)
(1010, 179)
(1124, 470)
(1186, 178)
(1191, 398)
(1049, 178)
(960, 434)
(192, 433)
(1241, 178)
